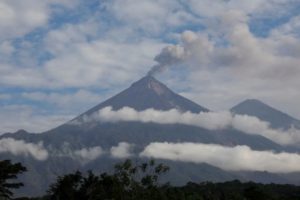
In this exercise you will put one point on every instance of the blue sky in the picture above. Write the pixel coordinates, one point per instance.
(61, 57)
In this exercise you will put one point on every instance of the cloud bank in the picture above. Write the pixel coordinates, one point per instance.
(20, 147)
(207, 120)
(238, 158)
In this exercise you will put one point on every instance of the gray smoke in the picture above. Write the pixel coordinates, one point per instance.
(169, 55)
(191, 47)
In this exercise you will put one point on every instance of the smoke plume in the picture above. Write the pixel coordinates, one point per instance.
(170, 55)
(192, 47)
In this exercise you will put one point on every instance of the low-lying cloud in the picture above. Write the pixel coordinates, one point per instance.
(207, 120)
(238, 158)
(20, 147)
(123, 150)
(86, 155)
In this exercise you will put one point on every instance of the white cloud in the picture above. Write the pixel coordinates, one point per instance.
(238, 158)
(86, 155)
(253, 125)
(83, 155)
(20, 17)
(89, 64)
(58, 40)
(5, 96)
(150, 16)
(15, 117)
(292, 27)
(208, 120)
(81, 62)
(123, 150)
(231, 64)
(255, 8)
(63, 100)
(20, 147)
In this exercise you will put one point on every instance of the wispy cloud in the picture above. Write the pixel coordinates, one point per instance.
(20, 147)
(83, 155)
(238, 158)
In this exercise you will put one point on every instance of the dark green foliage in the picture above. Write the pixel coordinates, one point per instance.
(129, 181)
(132, 181)
(234, 190)
(9, 172)
(67, 187)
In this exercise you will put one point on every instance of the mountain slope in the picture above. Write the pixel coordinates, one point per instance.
(149, 93)
(265, 112)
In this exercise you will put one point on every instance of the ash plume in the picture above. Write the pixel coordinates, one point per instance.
(169, 55)
(173, 55)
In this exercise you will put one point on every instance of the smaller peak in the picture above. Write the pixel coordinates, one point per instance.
(251, 103)
(265, 112)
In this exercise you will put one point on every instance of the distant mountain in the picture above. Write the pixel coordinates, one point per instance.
(63, 141)
(276, 118)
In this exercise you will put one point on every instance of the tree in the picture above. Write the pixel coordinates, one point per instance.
(129, 181)
(66, 187)
(9, 172)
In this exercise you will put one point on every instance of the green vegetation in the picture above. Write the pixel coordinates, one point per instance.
(9, 172)
(141, 181)
(128, 182)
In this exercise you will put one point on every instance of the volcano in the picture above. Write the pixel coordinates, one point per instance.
(64, 142)
(149, 93)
